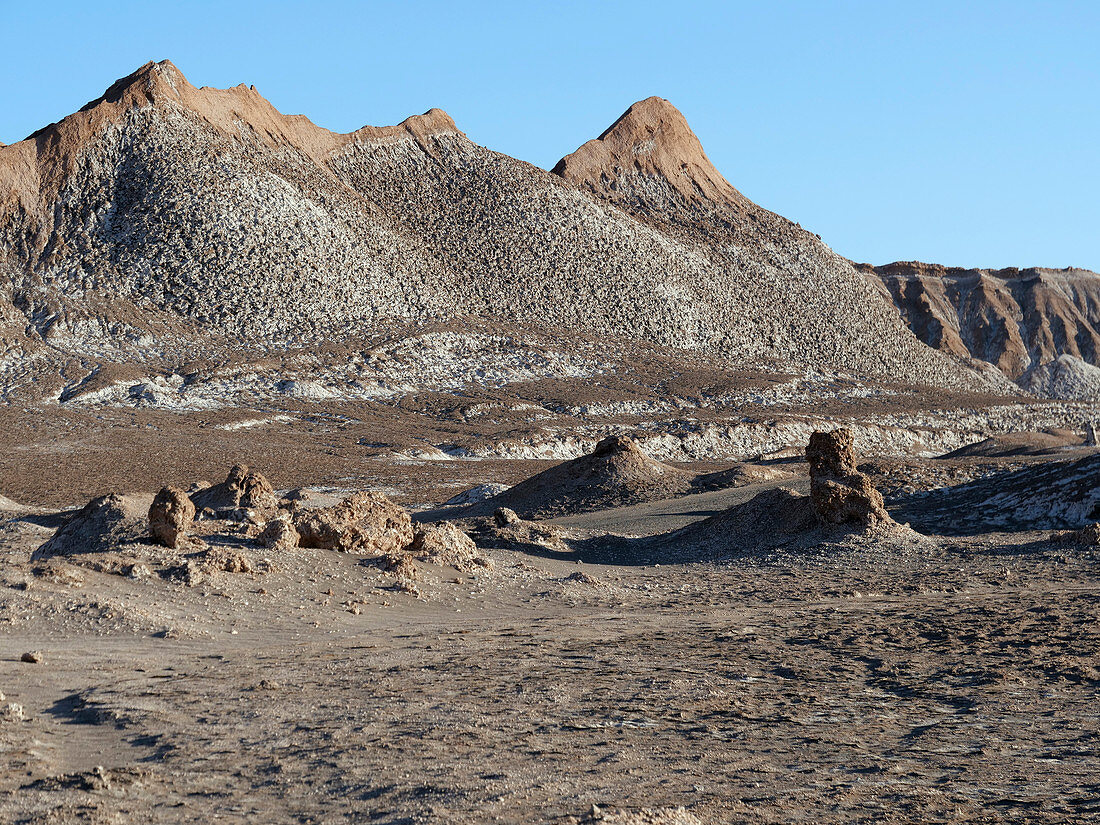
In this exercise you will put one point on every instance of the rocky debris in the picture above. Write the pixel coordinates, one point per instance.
(13, 712)
(103, 525)
(55, 572)
(139, 572)
(840, 493)
(243, 489)
(33, 657)
(616, 473)
(1054, 495)
(279, 534)
(366, 523)
(1041, 327)
(1088, 536)
(580, 577)
(214, 560)
(225, 560)
(516, 534)
(171, 516)
(445, 543)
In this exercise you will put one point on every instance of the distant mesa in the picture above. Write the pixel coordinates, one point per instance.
(1040, 327)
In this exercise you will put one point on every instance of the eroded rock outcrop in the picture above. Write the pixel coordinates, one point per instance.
(839, 492)
(444, 543)
(279, 534)
(365, 523)
(170, 516)
(243, 488)
(616, 473)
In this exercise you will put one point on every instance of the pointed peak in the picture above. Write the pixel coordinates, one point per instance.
(652, 139)
(145, 83)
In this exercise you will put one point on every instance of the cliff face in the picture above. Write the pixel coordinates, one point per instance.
(1021, 320)
(162, 213)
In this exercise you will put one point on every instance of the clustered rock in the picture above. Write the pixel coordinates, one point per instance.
(839, 492)
(365, 523)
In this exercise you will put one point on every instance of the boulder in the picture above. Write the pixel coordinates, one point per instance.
(242, 489)
(365, 523)
(504, 517)
(170, 516)
(444, 543)
(279, 534)
(840, 494)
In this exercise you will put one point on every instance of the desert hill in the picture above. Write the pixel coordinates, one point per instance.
(1040, 327)
(161, 219)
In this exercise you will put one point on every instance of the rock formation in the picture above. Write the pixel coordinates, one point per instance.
(365, 523)
(170, 516)
(279, 534)
(101, 526)
(243, 488)
(444, 543)
(839, 492)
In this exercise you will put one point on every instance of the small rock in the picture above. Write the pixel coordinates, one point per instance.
(279, 534)
(504, 517)
(33, 657)
(12, 712)
(139, 571)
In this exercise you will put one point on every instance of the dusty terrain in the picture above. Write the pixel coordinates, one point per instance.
(849, 676)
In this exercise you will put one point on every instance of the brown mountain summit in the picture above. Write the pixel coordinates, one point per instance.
(34, 169)
(650, 140)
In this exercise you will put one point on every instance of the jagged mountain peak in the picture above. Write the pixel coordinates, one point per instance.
(651, 139)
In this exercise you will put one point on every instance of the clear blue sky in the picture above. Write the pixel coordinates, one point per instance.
(965, 133)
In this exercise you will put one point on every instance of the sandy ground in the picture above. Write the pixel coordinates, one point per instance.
(951, 681)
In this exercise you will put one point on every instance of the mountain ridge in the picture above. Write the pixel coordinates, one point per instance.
(164, 213)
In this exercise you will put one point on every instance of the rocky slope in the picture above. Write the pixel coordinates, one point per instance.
(1041, 327)
(166, 221)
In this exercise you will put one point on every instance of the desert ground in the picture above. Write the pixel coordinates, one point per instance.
(608, 665)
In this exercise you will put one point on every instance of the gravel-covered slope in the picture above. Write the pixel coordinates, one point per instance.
(163, 214)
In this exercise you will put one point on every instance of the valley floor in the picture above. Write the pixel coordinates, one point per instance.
(950, 682)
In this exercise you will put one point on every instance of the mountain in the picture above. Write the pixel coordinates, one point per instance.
(1040, 327)
(162, 220)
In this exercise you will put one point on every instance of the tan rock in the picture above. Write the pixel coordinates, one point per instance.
(171, 516)
(839, 492)
(242, 488)
(444, 543)
(279, 534)
(365, 523)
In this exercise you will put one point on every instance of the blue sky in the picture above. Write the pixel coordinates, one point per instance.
(961, 133)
